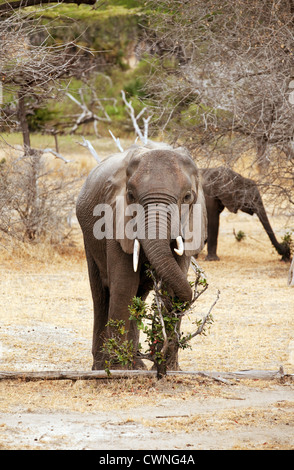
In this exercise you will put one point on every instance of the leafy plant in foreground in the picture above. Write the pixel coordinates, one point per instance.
(160, 322)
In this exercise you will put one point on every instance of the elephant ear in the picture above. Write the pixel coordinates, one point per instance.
(194, 228)
(117, 185)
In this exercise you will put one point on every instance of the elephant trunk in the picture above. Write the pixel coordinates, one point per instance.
(156, 246)
(160, 257)
(281, 248)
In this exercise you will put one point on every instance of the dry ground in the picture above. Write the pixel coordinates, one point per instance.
(46, 323)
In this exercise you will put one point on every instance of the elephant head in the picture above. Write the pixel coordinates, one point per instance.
(158, 205)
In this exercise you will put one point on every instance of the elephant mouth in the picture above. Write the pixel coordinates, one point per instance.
(162, 256)
(136, 250)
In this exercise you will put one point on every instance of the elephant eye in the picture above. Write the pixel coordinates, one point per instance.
(130, 196)
(188, 197)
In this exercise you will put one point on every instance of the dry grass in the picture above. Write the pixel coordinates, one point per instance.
(101, 395)
(46, 306)
(46, 324)
(124, 394)
(176, 409)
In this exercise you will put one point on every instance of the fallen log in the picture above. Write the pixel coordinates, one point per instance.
(75, 375)
(121, 374)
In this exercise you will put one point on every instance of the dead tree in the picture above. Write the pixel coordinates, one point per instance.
(87, 115)
(31, 73)
(223, 81)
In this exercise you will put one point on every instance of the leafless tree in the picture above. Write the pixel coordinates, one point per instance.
(224, 77)
(36, 198)
(30, 69)
(93, 112)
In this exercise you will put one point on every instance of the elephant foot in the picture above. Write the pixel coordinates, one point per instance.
(211, 258)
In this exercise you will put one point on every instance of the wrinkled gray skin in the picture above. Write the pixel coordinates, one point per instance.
(145, 176)
(225, 188)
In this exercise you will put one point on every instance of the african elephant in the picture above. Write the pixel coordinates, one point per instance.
(224, 187)
(154, 183)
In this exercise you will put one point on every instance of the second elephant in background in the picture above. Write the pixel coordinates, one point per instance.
(224, 187)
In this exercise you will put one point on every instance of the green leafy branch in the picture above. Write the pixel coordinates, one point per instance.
(288, 242)
(118, 349)
(160, 322)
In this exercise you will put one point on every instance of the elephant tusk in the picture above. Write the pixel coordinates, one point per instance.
(136, 253)
(180, 244)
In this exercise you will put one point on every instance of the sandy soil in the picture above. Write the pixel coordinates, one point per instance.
(175, 415)
(46, 324)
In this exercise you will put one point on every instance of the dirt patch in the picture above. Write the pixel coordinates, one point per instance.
(46, 324)
(189, 413)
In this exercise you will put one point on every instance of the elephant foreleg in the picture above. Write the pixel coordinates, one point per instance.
(99, 329)
(123, 286)
(100, 295)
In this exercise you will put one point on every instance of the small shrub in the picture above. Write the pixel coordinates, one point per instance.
(35, 200)
(287, 242)
(239, 235)
(160, 323)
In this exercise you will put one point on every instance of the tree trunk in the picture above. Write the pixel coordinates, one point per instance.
(22, 116)
(33, 210)
(31, 214)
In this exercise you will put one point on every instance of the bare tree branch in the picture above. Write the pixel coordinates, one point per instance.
(87, 115)
(31, 68)
(117, 141)
(56, 154)
(87, 144)
(222, 83)
(205, 318)
(142, 136)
